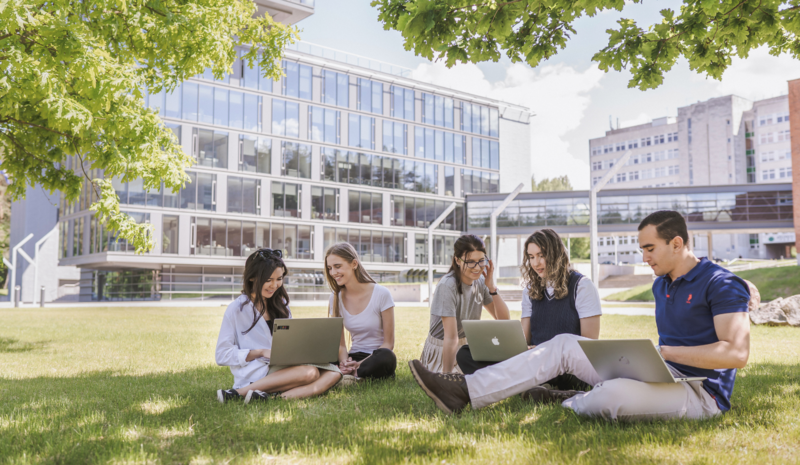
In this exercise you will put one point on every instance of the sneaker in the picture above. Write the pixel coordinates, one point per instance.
(256, 396)
(224, 395)
(543, 395)
(347, 380)
(447, 390)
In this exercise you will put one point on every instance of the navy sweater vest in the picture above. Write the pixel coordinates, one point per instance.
(551, 317)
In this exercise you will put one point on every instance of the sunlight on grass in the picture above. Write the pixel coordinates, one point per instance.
(116, 385)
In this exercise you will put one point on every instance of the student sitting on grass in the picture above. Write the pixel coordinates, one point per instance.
(367, 309)
(245, 338)
(460, 295)
(557, 300)
(703, 327)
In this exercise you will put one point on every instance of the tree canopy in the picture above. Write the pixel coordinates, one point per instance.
(708, 33)
(73, 77)
(558, 183)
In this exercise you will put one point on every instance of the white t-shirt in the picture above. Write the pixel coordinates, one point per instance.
(587, 300)
(366, 328)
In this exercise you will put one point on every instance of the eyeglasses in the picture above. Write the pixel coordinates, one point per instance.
(481, 263)
(266, 254)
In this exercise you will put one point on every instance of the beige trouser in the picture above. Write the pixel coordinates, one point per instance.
(616, 399)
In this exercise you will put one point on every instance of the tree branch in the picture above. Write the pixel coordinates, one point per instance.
(35, 126)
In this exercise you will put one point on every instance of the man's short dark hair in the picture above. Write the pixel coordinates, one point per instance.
(669, 225)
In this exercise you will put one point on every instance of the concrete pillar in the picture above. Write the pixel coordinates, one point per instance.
(710, 236)
(794, 130)
(616, 242)
(519, 251)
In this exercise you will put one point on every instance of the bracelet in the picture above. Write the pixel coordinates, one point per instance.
(493, 293)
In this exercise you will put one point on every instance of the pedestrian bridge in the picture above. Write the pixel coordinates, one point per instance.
(739, 208)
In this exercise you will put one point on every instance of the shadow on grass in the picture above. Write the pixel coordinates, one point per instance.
(11, 346)
(174, 417)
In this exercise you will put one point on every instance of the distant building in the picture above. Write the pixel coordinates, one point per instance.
(724, 140)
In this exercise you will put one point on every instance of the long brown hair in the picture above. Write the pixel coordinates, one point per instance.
(463, 246)
(557, 267)
(257, 270)
(348, 253)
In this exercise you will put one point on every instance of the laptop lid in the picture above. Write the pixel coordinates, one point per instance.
(635, 359)
(305, 340)
(494, 340)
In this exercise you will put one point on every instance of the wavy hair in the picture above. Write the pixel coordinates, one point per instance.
(557, 266)
(463, 246)
(347, 253)
(257, 270)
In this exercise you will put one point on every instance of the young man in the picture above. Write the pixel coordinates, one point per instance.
(703, 327)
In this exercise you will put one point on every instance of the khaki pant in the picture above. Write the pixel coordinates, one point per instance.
(616, 399)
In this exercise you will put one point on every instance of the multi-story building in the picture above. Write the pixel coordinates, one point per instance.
(724, 140)
(341, 149)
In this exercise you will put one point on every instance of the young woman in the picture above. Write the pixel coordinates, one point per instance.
(557, 300)
(367, 309)
(460, 295)
(245, 338)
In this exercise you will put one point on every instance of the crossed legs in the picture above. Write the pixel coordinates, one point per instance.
(295, 382)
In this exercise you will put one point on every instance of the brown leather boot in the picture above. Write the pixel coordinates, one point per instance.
(542, 395)
(447, 390)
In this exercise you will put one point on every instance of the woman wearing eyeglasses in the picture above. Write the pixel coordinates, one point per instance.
(461, 294)
(245, 338)
(367, 309)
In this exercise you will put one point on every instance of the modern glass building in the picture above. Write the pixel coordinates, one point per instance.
(336, 151)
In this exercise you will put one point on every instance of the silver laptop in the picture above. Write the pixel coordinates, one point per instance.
(305, 340)
(630, 358)
(494, 340)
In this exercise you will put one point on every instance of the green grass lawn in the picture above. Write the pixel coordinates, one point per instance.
(771, 283)
(116, 385)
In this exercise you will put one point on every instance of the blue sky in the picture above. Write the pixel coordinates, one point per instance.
(571, 98)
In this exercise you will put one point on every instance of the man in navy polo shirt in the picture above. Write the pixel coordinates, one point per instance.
(703, 328)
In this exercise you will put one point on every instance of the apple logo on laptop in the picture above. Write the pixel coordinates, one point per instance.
(495, 341)
(624, 360)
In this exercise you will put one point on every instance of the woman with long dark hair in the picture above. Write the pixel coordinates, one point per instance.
(462, 294)
(367, 310)
(245, 338)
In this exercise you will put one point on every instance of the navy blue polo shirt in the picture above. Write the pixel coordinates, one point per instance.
(685, 311)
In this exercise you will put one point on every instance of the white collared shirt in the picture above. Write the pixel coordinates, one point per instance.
(233, 346)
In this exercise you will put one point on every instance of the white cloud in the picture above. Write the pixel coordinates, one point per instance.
(558, 95)
(758, 76)
(642, 118)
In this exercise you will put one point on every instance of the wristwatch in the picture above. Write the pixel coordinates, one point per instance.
(493, 293)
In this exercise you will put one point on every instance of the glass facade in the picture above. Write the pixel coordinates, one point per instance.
(350, 142)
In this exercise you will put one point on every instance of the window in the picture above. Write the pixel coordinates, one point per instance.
(645, 141)
(437, 110)
(633, 144)
(596, 179)
(766, 138)
(449, 181)
(169, 234)
(479, 182)
(479, 119)
(420, 213)
(597, 165)
(372, 246)
(200, 192)
(395, 137)
(114, 241)
(253, 77)
(297, 80)
(767, 156)
(365, 207)
(324, 125)
(485, 153)
(285, 118)
(210, 148)
(285, 200)
(753, 241)
(189, 103)
(633, 176)
(660, 172)
(658, 139)
(244, 195)
(672, 137)
(783, 135)
(361, 131)
(621, 177)
(324, 203)
(439, 145)
(218, 237)
(378, 171)
(673, 170)
(402, 103)
(335, 88)
(785, 172)
(782, 118)
(370, 96)
(295, 160)
(619, 146)
(765, 120)
(255, 154)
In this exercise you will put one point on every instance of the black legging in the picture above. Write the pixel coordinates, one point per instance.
(381, 364)
(565, 382)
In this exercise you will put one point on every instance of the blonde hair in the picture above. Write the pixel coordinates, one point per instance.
(557, 267)
(348, 253)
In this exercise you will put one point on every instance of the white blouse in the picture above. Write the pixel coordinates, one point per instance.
(233, 346)
(366, 328)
